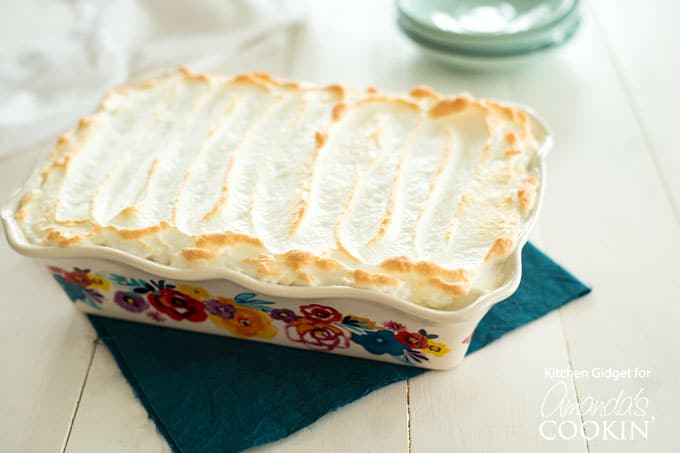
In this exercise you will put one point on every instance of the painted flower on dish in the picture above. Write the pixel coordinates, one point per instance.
(247, 322)
(220, 307)
(358, 321)
(411, 339)
(78, 293)
(436, 349)
(73, 291)
(314, 326)
(55, 270)
(320, 313)
(380, 342)
(394, 326)
(317, 335)
(283, 314)
(177, 305)
(99, 282)
(130, 301)
(78, 277)
(194, 291)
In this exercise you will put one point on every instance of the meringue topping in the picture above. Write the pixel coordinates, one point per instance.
(420, 196)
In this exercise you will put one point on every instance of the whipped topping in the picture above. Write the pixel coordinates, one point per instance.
(419, 196)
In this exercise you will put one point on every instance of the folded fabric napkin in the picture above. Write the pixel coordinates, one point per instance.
(175, 373)
(45, 87)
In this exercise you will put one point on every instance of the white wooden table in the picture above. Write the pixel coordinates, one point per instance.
(611, 215)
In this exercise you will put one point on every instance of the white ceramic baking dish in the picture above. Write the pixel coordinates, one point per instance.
(339, 320)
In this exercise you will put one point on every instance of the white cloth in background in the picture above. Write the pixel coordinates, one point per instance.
(44, 89)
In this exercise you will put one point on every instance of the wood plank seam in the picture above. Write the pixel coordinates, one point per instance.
(95, 345)
(408, 415)
(573, 381)
(635, 108)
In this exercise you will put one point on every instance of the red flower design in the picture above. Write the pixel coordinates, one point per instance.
(411, 339)
(394, 326)
(56, 270)
(320, 313)
(178, 305)
(319, 336)
(78, 278)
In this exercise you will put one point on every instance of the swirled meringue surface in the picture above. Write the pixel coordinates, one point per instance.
(419, 196)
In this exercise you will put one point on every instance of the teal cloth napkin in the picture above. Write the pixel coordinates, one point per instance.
(214, 394)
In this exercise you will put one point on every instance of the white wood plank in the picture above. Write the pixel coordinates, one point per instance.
(607, 218)
(45, 344)
(110, 418)
(492, 402)
(642, 40)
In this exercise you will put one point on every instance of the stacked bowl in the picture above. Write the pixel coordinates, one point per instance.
(486, 32)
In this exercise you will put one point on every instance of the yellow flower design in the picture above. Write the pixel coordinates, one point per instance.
(436, 349)
(99, 282)
(246, 322)
(194, 291)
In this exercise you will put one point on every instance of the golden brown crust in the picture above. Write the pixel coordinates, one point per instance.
(130, 211)
(21, 213)
(84, 123)
(138, 232)
(62, 141)
(399, 264)
(224, 193)
(337, 90)
(194, 76)
(297, 259)
(56, 237)
(500, 247)
(421, 92)
(526, 194)
(320, 138)
(456, 289)
(326, 264)
(403, 265)
(250, 79)
(226, 238)
(368, 279)
(305, 277)
(56, 165)
(264, 264)
(194, 254)
(339, 111)
(450, 106)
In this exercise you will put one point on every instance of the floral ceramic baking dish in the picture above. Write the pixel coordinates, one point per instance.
(360, 299)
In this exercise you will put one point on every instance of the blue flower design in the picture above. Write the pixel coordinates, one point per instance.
(76, 293)
(380, 342)
(73, 291)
